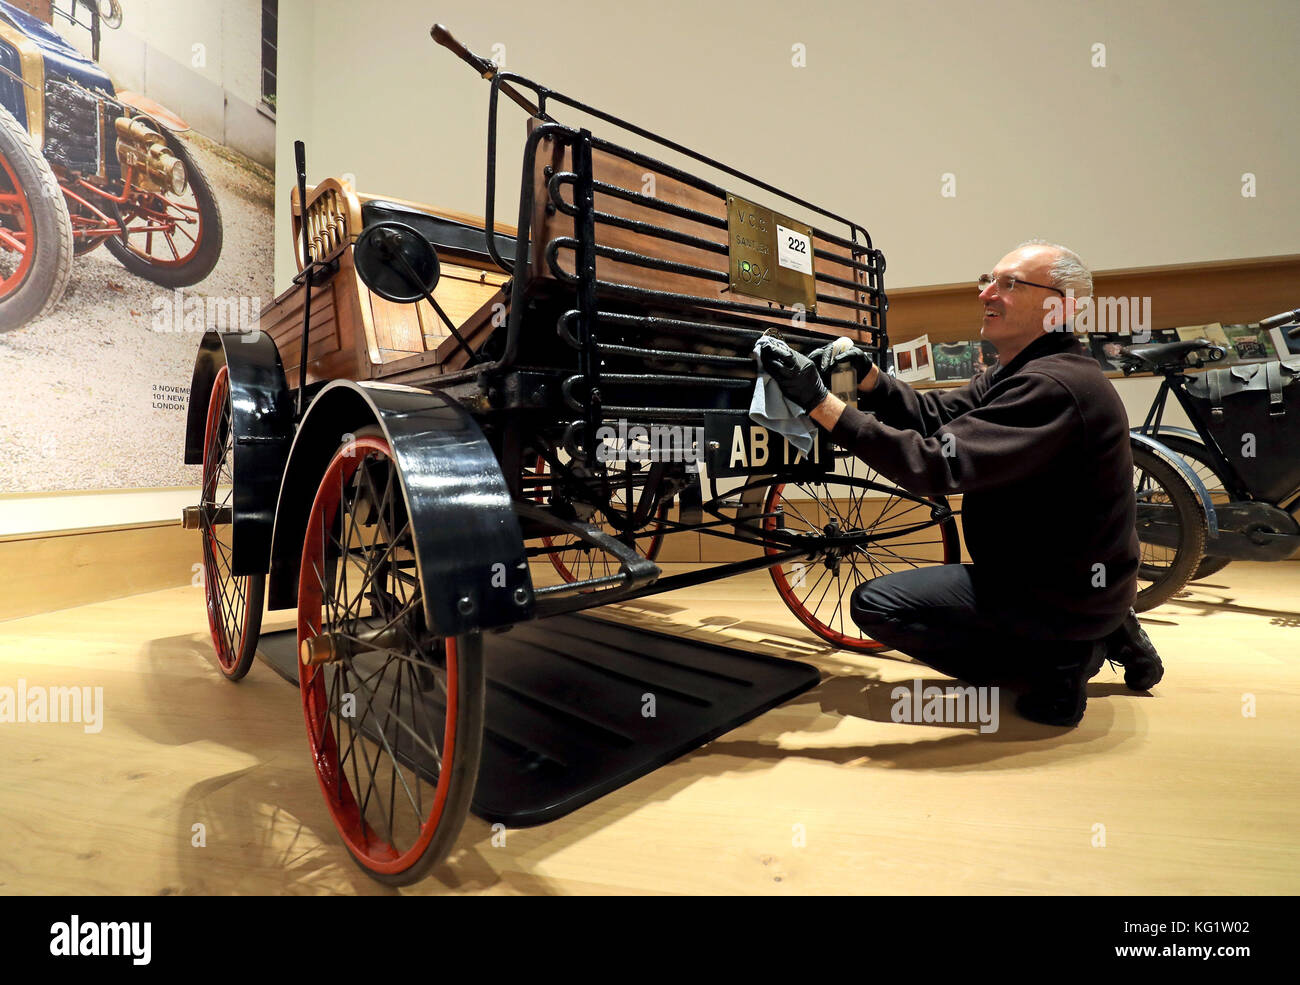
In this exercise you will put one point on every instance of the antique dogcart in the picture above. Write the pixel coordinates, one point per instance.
(492, 426)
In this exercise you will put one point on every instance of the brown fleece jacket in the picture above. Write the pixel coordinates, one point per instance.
(1039, 451)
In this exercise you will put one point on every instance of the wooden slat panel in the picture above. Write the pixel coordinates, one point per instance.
(616, 171)
(447, 356)
(461, 292)
(397, 326)
(335, 332)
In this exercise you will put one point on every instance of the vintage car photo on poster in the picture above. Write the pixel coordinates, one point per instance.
(135, 205)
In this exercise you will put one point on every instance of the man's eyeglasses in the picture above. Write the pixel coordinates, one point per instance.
(1006, 284)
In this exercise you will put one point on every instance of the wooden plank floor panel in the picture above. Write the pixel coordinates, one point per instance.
(824, 795)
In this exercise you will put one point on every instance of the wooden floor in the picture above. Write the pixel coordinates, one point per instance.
(1175, 792)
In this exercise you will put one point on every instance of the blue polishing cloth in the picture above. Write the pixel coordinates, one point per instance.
(770, 407)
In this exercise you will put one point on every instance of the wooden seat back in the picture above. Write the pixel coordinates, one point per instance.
(355, 334)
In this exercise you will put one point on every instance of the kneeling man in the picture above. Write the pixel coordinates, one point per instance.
(1038, 449)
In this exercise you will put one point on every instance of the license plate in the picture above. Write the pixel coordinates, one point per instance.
(737, 446)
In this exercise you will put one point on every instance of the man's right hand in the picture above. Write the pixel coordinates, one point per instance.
(797, 375)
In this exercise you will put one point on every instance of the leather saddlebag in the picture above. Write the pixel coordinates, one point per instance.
(1255, 408)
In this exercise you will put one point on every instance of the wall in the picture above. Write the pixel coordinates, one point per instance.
(216, 88)
(1135, 164)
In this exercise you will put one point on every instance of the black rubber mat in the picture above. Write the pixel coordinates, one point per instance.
(579, 706)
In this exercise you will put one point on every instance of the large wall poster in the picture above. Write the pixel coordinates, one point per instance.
(136, 210)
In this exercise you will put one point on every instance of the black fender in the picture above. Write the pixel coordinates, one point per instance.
(262, 421)
(469, 550)
(1169, 429)
(1163, 451)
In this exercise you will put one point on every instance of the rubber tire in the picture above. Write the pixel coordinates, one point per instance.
(464, 771)
(1195, 454)
(239, 653)
(209, 251)
(51, 267)
(1187, 505)
(471, 714)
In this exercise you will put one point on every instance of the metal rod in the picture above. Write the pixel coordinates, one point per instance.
(300, 160)
(484, 66)
(500, 78)
(684, 580)
(657, 323)
(686, 300)
(584, 233)
(391, 252)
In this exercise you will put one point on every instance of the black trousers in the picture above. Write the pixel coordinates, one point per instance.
(939, 616)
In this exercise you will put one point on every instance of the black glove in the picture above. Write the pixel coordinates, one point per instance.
(796, 375)
(827, 362)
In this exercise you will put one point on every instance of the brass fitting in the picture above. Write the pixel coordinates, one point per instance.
(328, 647)
(318, 650)
(192, 517)
(144, 150)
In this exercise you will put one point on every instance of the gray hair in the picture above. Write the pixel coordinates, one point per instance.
(1067, 270)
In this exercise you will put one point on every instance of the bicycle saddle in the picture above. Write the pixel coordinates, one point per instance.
(1160, 356)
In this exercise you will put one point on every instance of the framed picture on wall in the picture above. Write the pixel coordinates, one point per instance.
(914, 360)
(1284, 346)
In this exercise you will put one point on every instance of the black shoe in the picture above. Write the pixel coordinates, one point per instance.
(1131, 648)
(1059, 694)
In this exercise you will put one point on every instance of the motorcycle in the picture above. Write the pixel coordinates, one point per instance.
(83, 165)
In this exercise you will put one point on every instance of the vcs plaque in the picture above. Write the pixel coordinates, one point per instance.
(770, 255)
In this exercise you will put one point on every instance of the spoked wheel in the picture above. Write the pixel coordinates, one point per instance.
(1171, 529)
(35, 231)
(172, 240)
(905, 533)
(1197, 456)
(234, 601)
(573, 559)
(394, 716)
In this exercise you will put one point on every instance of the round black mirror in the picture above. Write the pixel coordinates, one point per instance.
(396, 262)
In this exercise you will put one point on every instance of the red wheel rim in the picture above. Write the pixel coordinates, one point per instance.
(368, 844)
(15, 208)
(839, 628)
(226, 593)
(591, 558)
